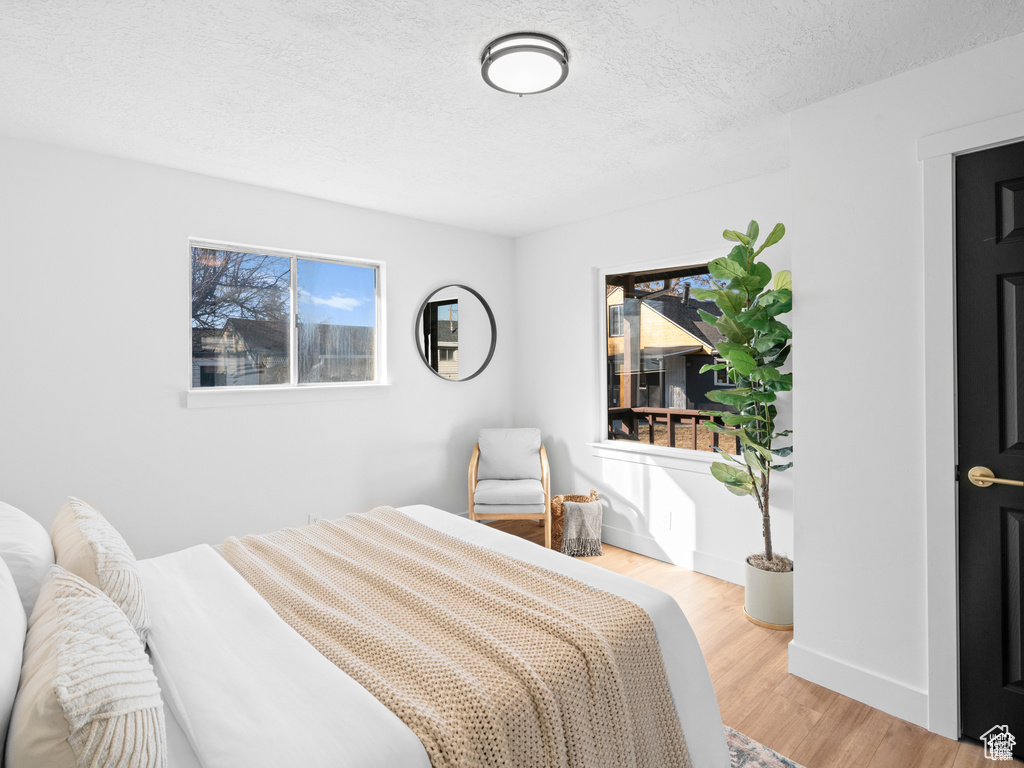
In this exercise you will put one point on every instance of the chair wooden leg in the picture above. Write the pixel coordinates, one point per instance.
(547, 531)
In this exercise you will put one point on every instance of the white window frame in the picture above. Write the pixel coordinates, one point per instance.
(610, 308)
(685, 459)
(293, 391)
(723, 373)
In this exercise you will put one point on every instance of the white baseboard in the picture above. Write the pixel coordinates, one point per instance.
(875, 690)
(702, 562)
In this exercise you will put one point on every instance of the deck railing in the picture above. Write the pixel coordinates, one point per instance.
(631, 419)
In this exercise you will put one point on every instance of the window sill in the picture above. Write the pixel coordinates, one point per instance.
(655, 455)
(218, 398)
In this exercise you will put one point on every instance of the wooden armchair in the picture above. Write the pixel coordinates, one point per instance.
(509, 478)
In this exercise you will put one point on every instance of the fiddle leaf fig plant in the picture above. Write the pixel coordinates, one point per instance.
(756, 346)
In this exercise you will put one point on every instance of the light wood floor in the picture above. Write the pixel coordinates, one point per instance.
(816, 727)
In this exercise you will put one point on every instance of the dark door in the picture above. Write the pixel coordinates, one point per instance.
(990, 386)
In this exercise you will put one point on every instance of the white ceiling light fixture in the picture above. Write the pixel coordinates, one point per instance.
(526, 62)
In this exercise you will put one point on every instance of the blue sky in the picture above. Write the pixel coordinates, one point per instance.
(339, 294)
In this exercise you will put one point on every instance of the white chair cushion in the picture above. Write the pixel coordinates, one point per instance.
(89, 697)
(483, 511)
(25, 548)
(509, 454)
(12, 641)
(89, 546)
(508, 492)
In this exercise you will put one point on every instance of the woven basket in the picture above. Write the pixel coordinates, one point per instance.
(556, 514)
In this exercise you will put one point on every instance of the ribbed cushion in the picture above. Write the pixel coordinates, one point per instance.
(89, 697)
(482, 510)
(25, 548)
(12, 640)
(509, 454)
(89, 546)
(508, 492)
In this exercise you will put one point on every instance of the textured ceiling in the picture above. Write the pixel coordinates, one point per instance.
(381, 104)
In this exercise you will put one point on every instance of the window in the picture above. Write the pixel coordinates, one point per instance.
(615, 320)
(657, 343)
(271, 318)
(722, 376)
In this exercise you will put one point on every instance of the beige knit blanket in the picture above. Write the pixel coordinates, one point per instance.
(488, 660)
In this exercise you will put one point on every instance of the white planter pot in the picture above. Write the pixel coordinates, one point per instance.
(768, 598)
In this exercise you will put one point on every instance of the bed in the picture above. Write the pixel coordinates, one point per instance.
(242, 688)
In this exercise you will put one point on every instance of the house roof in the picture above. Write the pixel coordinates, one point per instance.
(686, 315)
(447, 331)
(260, 334)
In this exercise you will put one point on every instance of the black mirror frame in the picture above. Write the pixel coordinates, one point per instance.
(490, 318)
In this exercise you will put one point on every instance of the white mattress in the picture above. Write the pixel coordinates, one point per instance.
(244, 690)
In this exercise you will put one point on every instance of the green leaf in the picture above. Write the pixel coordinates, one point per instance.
(783, 452)
(734, 331)
(737, 356)
(709, 367)
(766, 373)
(763, 272)
(726, 269)
(783, 280)
(784, 433)
(780, 329)
(737, 419)
(757, 318)
(741, 255)
(738, 397)
(741, 490)
(782, 467)
(753, 460)
(728, 301)
(726, 455)
(784, 384)
(731, 234)
(762, 397)
(726, 474)
(752, 231)
(777, 233)
(736, 479)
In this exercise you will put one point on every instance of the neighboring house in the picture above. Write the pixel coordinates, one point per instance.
(250, 352)
(448, 348)
(674, 342)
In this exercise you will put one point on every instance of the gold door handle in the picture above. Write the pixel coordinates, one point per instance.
(983, 477)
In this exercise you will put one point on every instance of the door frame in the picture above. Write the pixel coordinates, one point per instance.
(938, 153)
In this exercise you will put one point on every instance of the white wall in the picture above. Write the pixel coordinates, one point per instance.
(859, 267)
(95, 351)
(681, 515)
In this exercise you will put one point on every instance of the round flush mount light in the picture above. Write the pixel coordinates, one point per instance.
(526, 62)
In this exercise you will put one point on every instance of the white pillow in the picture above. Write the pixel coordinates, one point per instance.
(25, 548)
(89, 546)
(89, 697)
(12, 641)
(509, 454)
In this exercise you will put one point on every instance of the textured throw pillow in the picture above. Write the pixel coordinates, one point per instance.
(12, 641)
(26, 549)
(509, 454)
(89, 697)
(89, 546)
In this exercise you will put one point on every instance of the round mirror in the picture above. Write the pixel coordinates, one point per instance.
(455, 332)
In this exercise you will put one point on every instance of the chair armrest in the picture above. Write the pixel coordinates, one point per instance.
(545, 476)
(474, 466)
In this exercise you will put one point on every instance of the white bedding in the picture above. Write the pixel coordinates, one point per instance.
(243, 690)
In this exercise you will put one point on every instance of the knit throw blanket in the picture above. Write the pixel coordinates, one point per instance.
(581, 528)
(488, 660)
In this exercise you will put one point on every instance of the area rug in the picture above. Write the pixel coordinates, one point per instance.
(747, 753)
